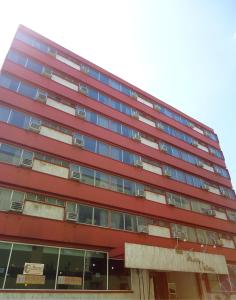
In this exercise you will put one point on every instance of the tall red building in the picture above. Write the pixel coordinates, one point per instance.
(106, 192)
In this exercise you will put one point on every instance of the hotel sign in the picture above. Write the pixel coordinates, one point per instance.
(165, 259)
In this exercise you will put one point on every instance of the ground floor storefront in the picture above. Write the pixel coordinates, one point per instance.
(36, 271)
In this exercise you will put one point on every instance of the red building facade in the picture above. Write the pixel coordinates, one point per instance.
(105, 190)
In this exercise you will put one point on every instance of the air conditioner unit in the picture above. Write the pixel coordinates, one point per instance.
(52, 52)
(190, 124)
(211, 212)
(138, 163)
(136, 136)
(140, 193)
(71, 216)
(78, 141)
(206, 133)
(219, 243)
(16, 206)
(47, 72)
(134, 95)
(205, 187)
(142, 228)
(166, 173)
(74, 175)
(26, 162)
(194, 143)
(135, 114)
(34, 125)
(171, 201)
(199, 163)
(159, 125)
(157, 107)
(80, 113)
(41, 96)
(163, 148)
(179, 235)
(84, 69)
(83, 89)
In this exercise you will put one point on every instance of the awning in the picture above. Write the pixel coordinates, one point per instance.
(165, 259)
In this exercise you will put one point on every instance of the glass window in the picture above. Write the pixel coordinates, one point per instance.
(10, 154)
(130, 222)
(70, 269)
(5, 198)
(114, 126)
(8, 82)
(103, 149)
(104, 99)
(119, 276)
(18, 196)
(93, 93)
(117, 220)
(95, 277)
(126, 131)
(115, 104)
(91, 117)
(17, 58)
(4, 113)
(85, 214)
(125, 90)
(90, 144)
(100, 217)
(116, 184)
(104, 79)
(116, 153)
(93, 73)
(27, 90)
(18, 119)
(114, 84)
(4, 254)
(87, 175)
(126, 109)
(129, 187)
(102, 180)
(104, 122)
(128, 158)
(33, 66)
(22, 254)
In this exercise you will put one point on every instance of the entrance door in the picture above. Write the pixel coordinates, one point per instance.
(160, 286)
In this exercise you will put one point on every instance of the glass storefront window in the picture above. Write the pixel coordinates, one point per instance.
(4, 257)
(70, 269)
(95, 276)
(119, 276)
(22, 254)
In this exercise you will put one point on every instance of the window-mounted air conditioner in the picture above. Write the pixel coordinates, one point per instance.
(52, 52)
(16, 206)
(157, 107)
(78, 141)
(75, 175)
(26, 162)
(80, 113)
(138, 163)
(135, 114)
(190, 124)
(34, 125)
(205, 187)
(142, 228)
(194, 143)
(211, 212)
(83, 89)
(134, 95)
(84, 69)
(199, 163)
(41, 96)
(170, 201)
(47, 72)
(136, 136)
(163, 148)
(159, 125)
(166, 172)
(140, 193)
(71, 216)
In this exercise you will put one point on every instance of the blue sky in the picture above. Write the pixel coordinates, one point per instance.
(181, 51)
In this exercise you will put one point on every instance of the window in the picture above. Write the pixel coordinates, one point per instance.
(103, 122)
(104, 99)
(71, 266)
(103, 149)
(91, 117)
(129, 187)
(4, 113)
(22, 254)
(102, 180)
(116, 153)
(85, 214)
(116, 184)
(100, 217)
(130, 223)
(27, 90)
(119, 276)
(87, 175)
(117, 220)
(9, 82)
(18, 119)
(34, 66)
(10, 154)
(5, 199)
(90, 144)
(93, 93)
(17, 58)
(4, 254)
(95, 277)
